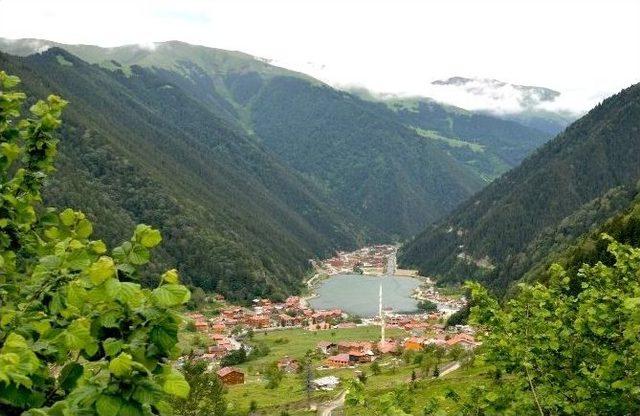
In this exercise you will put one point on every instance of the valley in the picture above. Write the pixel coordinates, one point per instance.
(194, 231)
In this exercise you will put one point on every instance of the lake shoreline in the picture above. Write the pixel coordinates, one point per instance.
(350, 293)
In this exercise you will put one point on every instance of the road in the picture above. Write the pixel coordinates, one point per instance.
(326, 409)
(449, 368)
(391, 264)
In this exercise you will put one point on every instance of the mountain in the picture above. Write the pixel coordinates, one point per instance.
(382, 171)
(136, 148)
(528, 96)
(532, 106)
(356, 152)
(487, 144)
(568, 184)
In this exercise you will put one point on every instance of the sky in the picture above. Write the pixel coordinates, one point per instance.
(586, 49)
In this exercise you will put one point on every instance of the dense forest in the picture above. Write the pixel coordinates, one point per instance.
(164, 159)
(263, 167)
(565, 189)
(354, 150)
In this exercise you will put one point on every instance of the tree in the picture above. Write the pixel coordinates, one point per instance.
(273, 375)
(427, 306)
(207, 392)
(355, 396)
(308, 377)
(456, 352)
(78, 331)
(398, 402)
(235, 357)
(570, 347)
(375, 368)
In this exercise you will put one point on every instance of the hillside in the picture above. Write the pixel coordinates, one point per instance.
(487, 144)
(377, 168)
(358, 153)
(138, 149)
(488, 234)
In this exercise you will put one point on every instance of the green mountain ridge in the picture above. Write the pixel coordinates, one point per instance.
(264, 167)
(570, 185)
(487, 144)
(357, 151)
(136, 149)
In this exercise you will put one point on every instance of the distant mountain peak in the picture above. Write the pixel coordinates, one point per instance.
(529, 96)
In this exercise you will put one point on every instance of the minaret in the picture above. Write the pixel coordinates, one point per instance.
(381, 316)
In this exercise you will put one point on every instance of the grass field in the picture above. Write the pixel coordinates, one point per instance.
(290, 395)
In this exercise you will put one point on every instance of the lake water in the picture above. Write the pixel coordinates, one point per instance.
(358, 295)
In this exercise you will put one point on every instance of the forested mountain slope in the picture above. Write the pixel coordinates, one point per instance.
(394, 176)
(138, 149)
(487, 144)
(382, 171)
(487, 235)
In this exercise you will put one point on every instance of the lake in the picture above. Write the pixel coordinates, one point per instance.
(358, 295)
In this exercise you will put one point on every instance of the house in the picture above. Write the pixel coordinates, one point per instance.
(339, 360)
(201, 326)
(219, 327)
(362, 346)
(292, 302)
(326, 383)
(388, 347)
(326, 347)
(230, 376)
(288, 365)
(286, 320)
(322, 326)
(414, 343)
(359, 357)
(258, 321)
(466, 341)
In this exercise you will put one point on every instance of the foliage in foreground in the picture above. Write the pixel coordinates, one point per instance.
(207, 392)
(78, 333)
(570, 347)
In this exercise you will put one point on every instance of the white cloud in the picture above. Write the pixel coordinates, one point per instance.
(580, 47)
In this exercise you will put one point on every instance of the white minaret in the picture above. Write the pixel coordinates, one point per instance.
(381, 316)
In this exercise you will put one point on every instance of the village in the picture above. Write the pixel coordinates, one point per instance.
(242, 344)
(229, 331)
(367, 260)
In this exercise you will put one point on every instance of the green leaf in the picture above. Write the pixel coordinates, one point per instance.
(108, 405)
(171, 276)
(176, 385)
(98, 247)
(130, 409)
(101, 270)
(10, 150)
(69, 376)
(51, 262)
(171, 295)
(163, 337)
(68, 217)
(112, 346)
(77, 335)
(147, 236)
(139, 255)
(84, 229)
(121, 365)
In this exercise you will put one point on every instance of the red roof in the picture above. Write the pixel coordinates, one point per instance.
(339, 358)
(227, 370)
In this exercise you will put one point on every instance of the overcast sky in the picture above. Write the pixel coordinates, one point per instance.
(586, 49)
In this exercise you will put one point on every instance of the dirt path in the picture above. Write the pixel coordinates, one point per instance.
(326, 409)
